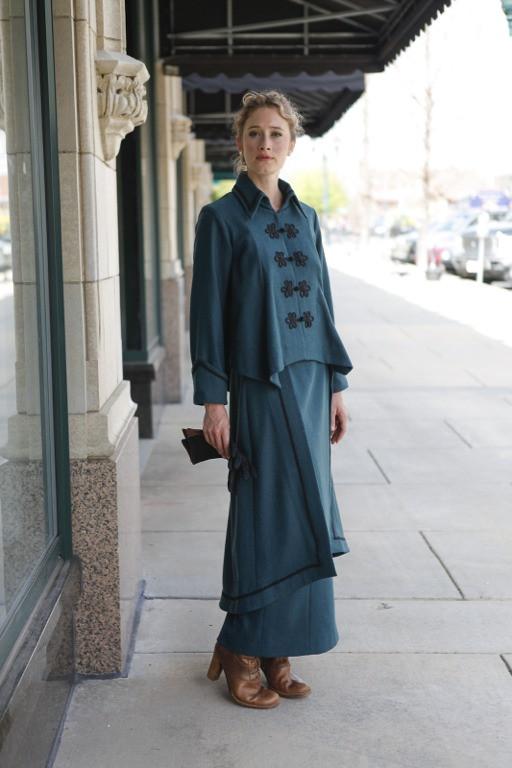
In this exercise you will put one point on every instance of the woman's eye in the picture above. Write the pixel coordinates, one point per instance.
(274, 133)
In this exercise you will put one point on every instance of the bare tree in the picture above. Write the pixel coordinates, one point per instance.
(428, 195)
(423, 94)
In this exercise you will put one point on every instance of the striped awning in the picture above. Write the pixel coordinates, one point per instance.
(316, 51)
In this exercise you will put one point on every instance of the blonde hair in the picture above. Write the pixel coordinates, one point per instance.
(253, 100)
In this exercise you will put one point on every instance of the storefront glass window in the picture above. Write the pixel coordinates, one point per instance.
(27, 511)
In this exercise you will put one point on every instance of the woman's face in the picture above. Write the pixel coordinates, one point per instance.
(266, 141)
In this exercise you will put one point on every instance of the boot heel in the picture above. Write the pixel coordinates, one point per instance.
(215, 667)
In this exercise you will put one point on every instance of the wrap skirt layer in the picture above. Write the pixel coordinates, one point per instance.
(298, 624)
(296, 616)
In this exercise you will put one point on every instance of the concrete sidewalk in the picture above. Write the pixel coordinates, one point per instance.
(422, 673)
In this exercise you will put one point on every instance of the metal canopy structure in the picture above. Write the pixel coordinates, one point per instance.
(316, 51)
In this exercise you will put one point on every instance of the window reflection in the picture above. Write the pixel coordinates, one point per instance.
(23, 522)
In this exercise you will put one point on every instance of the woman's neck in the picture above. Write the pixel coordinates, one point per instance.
(269, 185)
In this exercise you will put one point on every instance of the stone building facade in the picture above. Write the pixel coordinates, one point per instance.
(93, 129)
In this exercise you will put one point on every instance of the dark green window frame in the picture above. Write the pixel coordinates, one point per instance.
(50, 304)
(142, 43)
(179, 210)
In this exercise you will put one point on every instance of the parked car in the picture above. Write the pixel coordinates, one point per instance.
(447, 238)
(379, 228)
(497, 253)
(404, 247)
(5, 253)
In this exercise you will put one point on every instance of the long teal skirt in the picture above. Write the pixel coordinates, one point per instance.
(302, 622)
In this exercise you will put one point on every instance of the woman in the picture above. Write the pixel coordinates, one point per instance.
(262, 327)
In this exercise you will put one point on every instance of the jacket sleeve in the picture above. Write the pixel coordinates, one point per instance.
(209, 325)
(339, 380)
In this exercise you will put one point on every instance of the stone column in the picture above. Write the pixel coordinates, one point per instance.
(198, 189)
(173, 133)
(189, 218)
(100, 96)
(204, 177)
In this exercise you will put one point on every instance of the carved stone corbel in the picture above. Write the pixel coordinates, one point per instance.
(181, 132)
(121, 103)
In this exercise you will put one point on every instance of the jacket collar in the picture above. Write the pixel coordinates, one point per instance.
(251, 196)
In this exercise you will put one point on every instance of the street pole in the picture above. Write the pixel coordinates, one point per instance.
(366, 189)
(507, 10)
(482, 232)
(325, 197)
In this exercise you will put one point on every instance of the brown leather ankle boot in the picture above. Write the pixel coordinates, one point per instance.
(281, 679)
(243, 678)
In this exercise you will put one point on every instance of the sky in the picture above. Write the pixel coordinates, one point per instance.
(471, 60)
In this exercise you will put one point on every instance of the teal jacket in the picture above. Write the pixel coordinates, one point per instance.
(260, 296)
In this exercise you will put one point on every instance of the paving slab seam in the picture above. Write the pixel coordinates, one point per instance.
(347, 530)
(415, 484)
(420, 484)
(355, 597)
(377, 598)
(318, 657)
(506, 663)
(414, 653)
(456, 600)
(438, 388)
(473, 375)
(350, 653)
(125, 672)
(179, 597)
(429, 545)
(466, 442)
(179, 484)
(182, 530)
(388, 481)
(156, 484)
(52, 757)
(394, 530)
(433, 350)
(386, 363)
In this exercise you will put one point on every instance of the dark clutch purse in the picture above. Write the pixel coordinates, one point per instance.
(199, 450)
(197, 447)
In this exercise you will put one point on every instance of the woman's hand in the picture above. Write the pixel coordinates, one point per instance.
(216, 427)
(339, 417)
